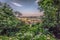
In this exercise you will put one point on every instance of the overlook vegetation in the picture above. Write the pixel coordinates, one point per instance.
(11, 28)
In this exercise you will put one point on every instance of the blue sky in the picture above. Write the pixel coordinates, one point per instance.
(26, 7)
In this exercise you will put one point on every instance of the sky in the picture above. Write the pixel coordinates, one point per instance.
(26, 7)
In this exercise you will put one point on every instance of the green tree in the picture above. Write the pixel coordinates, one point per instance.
(7, 18)
(50, 8)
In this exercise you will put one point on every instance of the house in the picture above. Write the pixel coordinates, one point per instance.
(30, 19)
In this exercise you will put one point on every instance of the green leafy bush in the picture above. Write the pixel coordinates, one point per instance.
(8, 21)
(50, 8)
(34, 32)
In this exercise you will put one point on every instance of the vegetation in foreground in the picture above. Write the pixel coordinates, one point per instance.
(13, 29)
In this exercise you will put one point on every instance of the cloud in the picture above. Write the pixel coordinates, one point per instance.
(16, 4)
(37, 1)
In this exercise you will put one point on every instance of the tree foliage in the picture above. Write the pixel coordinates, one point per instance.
(7, 18)
(10, 24)
(50, 8)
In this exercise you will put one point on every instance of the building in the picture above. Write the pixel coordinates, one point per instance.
(30, 19)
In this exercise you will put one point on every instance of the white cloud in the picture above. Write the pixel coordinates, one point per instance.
(17, 4)
(37, 1)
